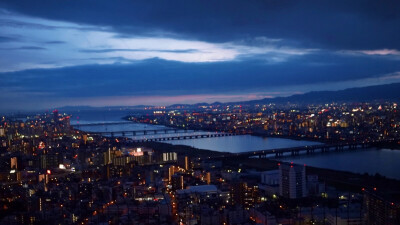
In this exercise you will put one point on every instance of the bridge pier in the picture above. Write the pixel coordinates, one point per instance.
(310, 151)
(262, 156)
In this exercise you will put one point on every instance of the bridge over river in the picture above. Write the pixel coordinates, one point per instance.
(124, 133)
(165, 134)
(182, 137)
(294, 151)
(77, 125)
(180, 134)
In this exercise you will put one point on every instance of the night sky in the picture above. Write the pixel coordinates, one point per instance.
(109, 53)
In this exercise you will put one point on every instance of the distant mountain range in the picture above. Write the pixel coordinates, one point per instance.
(386, 92)
(121, 108)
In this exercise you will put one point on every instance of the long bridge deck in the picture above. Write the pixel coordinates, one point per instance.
(100, 124)
(183, 137)
(178, 134)
(308, 149)
(139, 132)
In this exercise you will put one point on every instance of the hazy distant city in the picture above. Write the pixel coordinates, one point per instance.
(200, 112)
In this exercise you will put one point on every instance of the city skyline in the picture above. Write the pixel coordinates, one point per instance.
(133, 53)
(199, 112)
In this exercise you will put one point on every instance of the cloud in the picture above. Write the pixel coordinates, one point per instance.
(55, 42)
(8, 39)
(82, 44)
(340, 24)
(138, 50)
(161, 82)
(161, 77)
(25, 48)
(380, 52)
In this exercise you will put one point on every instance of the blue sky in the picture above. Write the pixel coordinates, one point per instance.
(98, 53)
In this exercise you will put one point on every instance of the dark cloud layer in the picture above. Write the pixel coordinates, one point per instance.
(7, 39)
(24, 48)
(137, 50)
(340, 24)
(55, 42)
(160, 77)
(262, 45)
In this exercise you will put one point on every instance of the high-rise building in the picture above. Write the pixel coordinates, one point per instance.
(208, 177)
(55, 115)
(171, 171)
(177, 182)
(292, 181)
(379, 210)
(243, 194)
(49, 161)
(14, 163)
(187, 165)
(270, 177)
(170, 156)
(107, 157)
(85, 138)
(270, 182)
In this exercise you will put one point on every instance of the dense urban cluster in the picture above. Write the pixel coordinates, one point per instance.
(334, 122)
(51, 173)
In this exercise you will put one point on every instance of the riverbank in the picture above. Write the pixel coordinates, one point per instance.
(342, 180)
(296, 138)
(393, 145)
